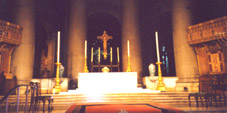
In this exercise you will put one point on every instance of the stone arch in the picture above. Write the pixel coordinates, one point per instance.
(112, 7)
(97, 24)
(45, 41)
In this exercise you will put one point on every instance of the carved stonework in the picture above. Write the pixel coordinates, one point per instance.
(209, 40)
(10, 37)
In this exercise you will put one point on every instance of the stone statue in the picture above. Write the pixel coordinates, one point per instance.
(61, 71)
(152, 70)
(152, 77)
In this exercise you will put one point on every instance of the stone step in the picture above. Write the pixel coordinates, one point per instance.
(162, 97)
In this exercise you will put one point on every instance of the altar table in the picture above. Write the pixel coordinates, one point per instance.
(107, 81)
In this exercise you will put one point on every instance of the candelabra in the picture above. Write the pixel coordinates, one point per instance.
(85, 66)
(160, 85)
(57, 87)
(129, 65)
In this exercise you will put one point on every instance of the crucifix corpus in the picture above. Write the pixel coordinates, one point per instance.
(104, 38)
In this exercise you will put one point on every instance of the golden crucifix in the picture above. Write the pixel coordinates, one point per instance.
(104, 38)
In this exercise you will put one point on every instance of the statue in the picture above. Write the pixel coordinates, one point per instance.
(152, 70)
(61, 71)
(152, 74)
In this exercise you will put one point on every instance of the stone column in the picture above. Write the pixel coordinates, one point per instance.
(130, 31)
(185, 57)
(23, 56)
(76, 38)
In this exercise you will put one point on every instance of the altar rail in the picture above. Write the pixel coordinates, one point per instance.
(207, 31)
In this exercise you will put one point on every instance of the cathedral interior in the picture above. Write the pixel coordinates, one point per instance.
(33, 52)
(153, 15)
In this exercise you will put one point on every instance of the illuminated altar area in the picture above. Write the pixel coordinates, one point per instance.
(108, 82)
(103, 78)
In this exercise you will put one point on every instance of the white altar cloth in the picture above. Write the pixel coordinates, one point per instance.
(107, 81)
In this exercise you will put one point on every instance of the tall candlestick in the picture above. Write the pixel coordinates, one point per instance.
(99, 55)
(118, 59)
(58, 47)
(129, 64)
(111, 57)
(157, 47)
(128, 49)
(85, 50)
(92, 54)
(57, 87)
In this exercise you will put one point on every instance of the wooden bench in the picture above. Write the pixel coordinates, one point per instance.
(212, 89)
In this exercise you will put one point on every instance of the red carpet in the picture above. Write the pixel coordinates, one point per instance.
(170, 109)
(122, 108)
(119, 108)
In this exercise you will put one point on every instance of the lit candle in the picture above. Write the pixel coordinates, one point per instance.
(118, 59)
(128, 49)
(92, 54)
(99, 55)
(111, 58)
(157, 47)
(85, 50)
(58, 47)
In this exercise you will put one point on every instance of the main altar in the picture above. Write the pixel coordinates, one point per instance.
(102, 78)
(102, 74)
(113, 81)
(105, 75)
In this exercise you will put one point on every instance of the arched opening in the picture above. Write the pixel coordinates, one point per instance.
(164, 26)
(96, 25)
(41, 49)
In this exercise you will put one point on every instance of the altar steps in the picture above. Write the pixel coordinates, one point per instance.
(168, 98)
(165, 98)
